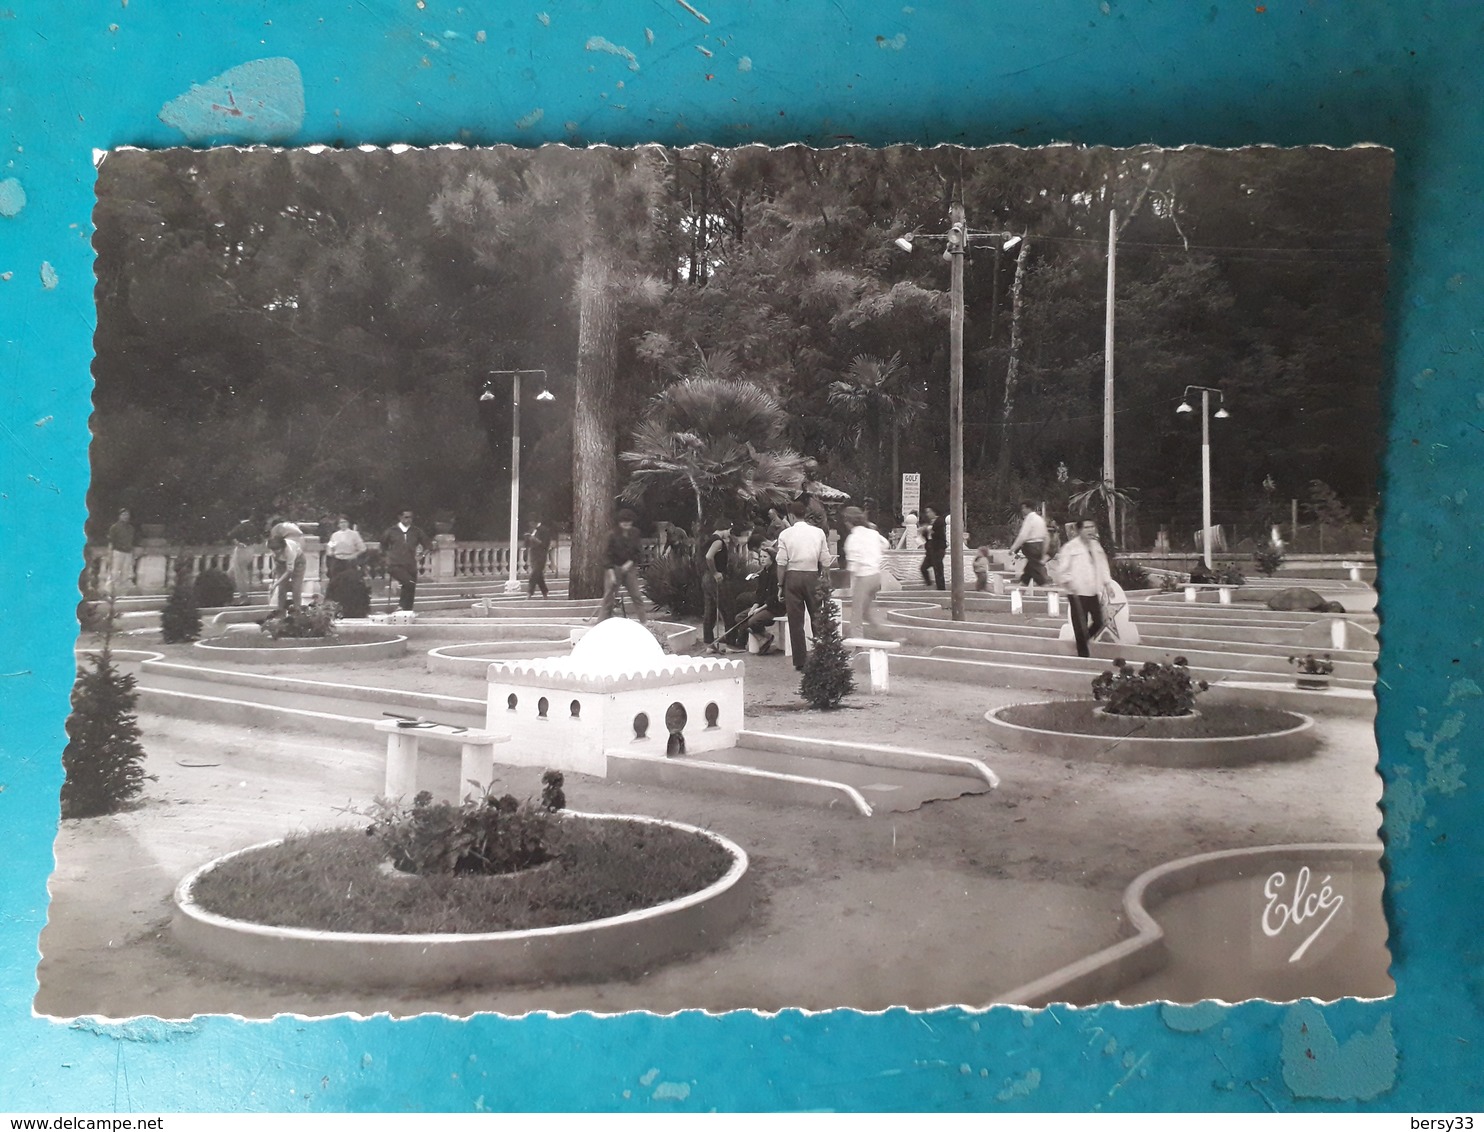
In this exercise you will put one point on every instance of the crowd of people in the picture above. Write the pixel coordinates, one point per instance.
(755, 574)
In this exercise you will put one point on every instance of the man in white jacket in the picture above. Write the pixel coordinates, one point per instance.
(1082, 570)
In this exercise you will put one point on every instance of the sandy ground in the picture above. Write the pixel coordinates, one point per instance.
(954, 903)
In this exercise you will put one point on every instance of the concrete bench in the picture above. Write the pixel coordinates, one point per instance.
(476, 754)
(878, 651)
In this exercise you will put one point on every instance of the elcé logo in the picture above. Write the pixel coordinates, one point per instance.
(1290, 910)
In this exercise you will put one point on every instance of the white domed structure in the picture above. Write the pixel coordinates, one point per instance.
(614, 647)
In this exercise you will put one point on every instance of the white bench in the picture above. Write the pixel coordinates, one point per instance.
(1223, 592)
(878, 651)
(476, 755)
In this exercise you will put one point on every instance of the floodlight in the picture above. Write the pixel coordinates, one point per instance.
(1184, 407)
(486, 395)
(1010, 243)
(1221, 414)
(904, 242)
(546, 395)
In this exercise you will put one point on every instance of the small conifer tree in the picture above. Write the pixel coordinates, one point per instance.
(181, 618)
(827, 675)
(103, 761)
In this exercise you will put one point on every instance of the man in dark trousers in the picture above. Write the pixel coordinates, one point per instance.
(400, 543)
(934, 547)
(804, 560)
(621, 566)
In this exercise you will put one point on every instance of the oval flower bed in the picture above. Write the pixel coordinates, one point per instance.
(348, 643)
(1216, 735)
(620, 894)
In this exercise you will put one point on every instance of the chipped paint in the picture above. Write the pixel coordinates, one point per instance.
(693, 11)
(1406, 797)
(598, 43)
(895, 43)
(1192, 1019)
(745, 63)
(527, 121)
(1315, 1064)
(258, 101)
(49, 278)
(1018, 1088)
(671, 1091)
(12, 197)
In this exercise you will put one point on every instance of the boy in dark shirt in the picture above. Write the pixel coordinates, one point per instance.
(621, 566)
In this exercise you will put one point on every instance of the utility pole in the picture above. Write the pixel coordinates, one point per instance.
(1108, 480)
(957, 241)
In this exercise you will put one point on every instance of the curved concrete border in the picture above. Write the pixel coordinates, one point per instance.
(1100, 976)
(337, 653)
(1295, 742)
(634, 941)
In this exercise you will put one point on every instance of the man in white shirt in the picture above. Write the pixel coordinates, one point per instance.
(1082, 569)
(864, 547)
(803, 556)
(1031, 540)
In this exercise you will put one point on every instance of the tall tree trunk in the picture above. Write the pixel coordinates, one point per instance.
(594, 440)
(1012, 366)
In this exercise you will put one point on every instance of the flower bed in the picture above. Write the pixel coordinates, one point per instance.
(626, 892)
(1217, 735)
(348, 644)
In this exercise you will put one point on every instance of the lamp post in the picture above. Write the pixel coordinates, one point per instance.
(957, 240)
(1221, 415)
(512, 584)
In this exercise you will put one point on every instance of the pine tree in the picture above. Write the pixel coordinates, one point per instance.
(103, 761)
(827, 675)
(181, 618)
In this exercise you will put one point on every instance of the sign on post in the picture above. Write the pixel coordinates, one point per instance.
(911, 492)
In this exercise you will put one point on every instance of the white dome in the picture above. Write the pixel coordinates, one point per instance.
(615, 647)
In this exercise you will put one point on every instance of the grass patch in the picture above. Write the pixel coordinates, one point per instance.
(1216, 721)
(330, 880)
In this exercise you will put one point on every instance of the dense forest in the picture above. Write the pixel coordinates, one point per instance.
(311, 330)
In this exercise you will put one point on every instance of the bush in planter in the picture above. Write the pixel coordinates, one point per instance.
(1231, 575)
(349, 591)
(827, 675)
(672, 583)
(317, 619)
(1311, 665)
(1268, 559)
(482, 836)
(214, 589)
(1129, 575)
(1154, 689)
(181, 619)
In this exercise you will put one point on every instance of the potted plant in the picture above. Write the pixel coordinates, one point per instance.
(1313, 672)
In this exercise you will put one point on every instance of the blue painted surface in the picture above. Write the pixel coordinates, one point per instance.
(85, 77)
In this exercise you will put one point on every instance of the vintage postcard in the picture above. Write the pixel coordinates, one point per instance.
(727, 579)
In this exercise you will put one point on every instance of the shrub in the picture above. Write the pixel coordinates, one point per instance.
(672, 583)
(1311, 665)
(103, 761)
(317, 619)
(214, 589)
(827, 676)
(1129, 575)
(1154, 689)
(1170, 583)
(349, 591)
(480, 836)
(181, 619)
(1231, 575)
(1268, 559)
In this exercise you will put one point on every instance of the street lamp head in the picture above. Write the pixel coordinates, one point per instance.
(1184, 407)
(1221, 414)
(487, 395)
(1010, 243)
(546, 395)
(904, 242)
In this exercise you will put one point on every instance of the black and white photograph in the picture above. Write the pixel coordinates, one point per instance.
(661, 579)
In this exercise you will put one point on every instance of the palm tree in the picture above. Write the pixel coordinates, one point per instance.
(866, 398)
(717, 439)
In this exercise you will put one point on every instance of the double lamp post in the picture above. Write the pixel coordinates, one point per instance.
(512, 584)
(1221, 414)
